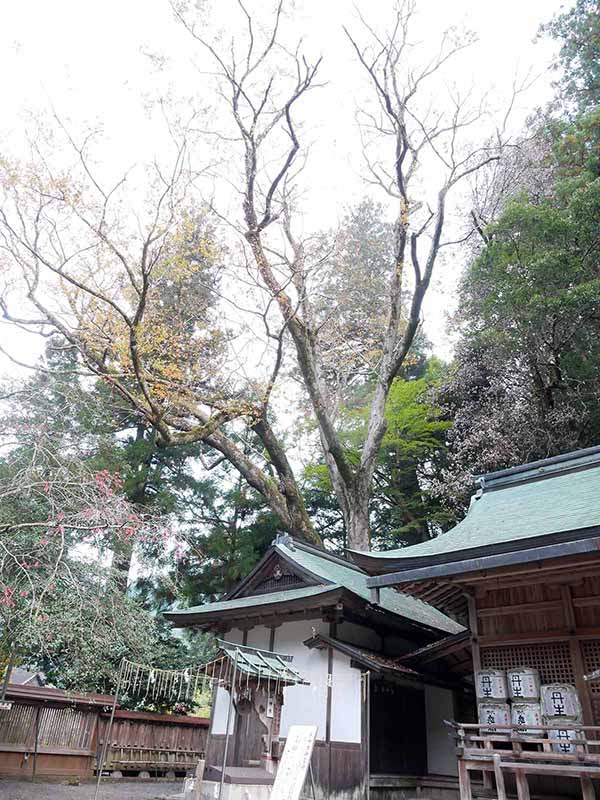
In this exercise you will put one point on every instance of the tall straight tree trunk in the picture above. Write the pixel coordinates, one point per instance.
(357, 522)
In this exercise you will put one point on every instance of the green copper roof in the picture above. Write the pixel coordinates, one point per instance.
(350, 577)
(252, 602)
(332, 573)
(260, 664)
(514, 507)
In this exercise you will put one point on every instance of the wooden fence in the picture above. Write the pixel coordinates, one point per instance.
(149, 742)
(50, 733)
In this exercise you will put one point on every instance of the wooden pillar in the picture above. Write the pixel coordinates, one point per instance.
(522, 786)
(474, 628)
(464, 780)
(499, 775)
(587, 789)
(36, 742)
(365, 729)
(476, 656)
(581, 685)
(328, 719)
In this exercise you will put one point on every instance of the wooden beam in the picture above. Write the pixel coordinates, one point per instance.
(527, 573)
(586, 602)
(521, 608)
(559, 635)
(572, 578)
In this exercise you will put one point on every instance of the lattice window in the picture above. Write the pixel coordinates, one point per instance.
(552, 660)
(278, 584)
(591, 662)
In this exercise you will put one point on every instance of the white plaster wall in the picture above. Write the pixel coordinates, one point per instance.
(345, 701)
(259, 637)
(439, 705)
(304, 705)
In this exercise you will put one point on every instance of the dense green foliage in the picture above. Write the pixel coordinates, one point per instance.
(403, 510)
(578, 32)
(526, 379)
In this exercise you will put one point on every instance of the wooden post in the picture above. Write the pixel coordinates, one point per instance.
(36, 742)
(581, 685)
(328, 717)
(522, 786)
(365, 728)
(108, 731)
(464, 780)
(474, 628)
(587, 789)
(500, 788)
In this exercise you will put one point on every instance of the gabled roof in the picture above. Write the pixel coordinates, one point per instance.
(234, 608)
(546, 502)
(332, 578)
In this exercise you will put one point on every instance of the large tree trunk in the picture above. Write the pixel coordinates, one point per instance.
(357, 521)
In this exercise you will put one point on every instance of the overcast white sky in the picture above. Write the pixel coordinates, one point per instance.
(90, 60)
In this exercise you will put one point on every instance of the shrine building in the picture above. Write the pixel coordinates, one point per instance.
(378, 680)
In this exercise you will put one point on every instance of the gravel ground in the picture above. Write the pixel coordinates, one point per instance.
(111, 790)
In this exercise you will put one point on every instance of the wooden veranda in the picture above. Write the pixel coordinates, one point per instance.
(511, 751)
(522, 570)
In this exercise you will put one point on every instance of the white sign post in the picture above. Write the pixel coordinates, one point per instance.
(294, 763)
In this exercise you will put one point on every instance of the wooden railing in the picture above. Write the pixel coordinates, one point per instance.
(509, 748)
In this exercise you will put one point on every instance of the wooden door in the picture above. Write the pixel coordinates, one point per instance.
(249, 731)
(398, 738)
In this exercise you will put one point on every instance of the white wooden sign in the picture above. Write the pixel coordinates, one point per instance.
(6, 705)
(294, 763)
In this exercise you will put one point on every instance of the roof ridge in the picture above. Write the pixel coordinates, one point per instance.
(320, 553)
(542, 467)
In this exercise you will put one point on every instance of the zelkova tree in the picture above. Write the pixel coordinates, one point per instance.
(290, 277)
(99, 276)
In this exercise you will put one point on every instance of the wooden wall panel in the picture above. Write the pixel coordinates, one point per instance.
(557, 620)
(552, 660)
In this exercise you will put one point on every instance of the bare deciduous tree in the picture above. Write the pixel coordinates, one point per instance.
(168, 361)
(259, 114)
